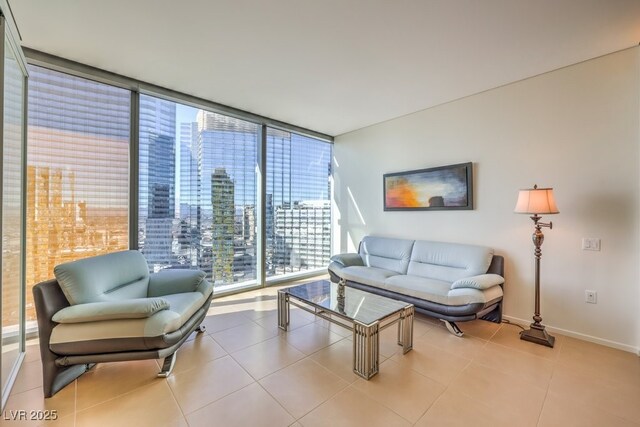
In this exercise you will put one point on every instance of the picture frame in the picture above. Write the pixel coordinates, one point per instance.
(440, 188)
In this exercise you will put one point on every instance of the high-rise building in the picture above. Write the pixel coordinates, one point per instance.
(222, 142)
(157, 146)
(188, 172)
(302, 236)
(222, 226)
(188, 251)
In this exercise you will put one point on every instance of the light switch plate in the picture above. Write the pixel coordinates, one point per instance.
(590, 244)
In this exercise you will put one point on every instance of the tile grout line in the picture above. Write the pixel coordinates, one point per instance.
(213, 401)
(175, 399)
(352, 385)
(436, 400)
(546, 393)
(270, 373)
(278, 402)
(119, 395)
(393, 410)
(328, 398)
(75, 403)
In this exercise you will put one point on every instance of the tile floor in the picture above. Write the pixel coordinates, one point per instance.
(246, 372)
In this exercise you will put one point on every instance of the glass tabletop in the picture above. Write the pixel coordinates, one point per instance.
(362, 306)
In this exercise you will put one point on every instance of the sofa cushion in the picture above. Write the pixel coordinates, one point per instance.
(419, 287)
(482, 281)
(465, 296)
(448, 261)
(371, 276)
(386, 253)
(347, 260)
(112, 277)
(439, 291)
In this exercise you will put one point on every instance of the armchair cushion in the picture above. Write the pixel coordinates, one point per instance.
(160, 330)
(174, 281)
(115, 276)
(110, 310)
(482, 281)
(183, 306)
(347, 260)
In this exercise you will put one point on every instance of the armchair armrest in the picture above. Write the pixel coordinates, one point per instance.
(136, 308)
(347, 260)
(177, 281)
(482, 281)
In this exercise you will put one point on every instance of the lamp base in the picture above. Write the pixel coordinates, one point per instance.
(537, 334)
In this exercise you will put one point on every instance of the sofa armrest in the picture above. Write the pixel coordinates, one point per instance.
(177, 281)
(482, 281)
(137, 308)
(347, 260)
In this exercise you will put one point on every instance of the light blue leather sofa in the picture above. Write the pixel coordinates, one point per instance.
(449, 281)
(109, 308)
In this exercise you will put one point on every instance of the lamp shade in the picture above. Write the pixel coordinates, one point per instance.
(536, 201)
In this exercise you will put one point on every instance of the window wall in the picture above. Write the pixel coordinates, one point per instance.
(198, 192)
(196, 185)
(77, 172)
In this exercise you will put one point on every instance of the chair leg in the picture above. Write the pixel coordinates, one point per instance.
(167, 365)
(200, 329)
(453, 328)
(56, 378)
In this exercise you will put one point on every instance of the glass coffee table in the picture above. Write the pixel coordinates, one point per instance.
(364, 313)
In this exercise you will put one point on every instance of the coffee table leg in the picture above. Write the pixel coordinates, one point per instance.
(366, 348)
(405, 329)
(283, 310)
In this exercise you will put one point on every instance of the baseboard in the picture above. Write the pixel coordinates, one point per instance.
(578, 335)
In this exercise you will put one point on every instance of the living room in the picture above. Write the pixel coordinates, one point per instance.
(544, 94)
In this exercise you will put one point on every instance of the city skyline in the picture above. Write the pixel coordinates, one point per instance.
(212, 146)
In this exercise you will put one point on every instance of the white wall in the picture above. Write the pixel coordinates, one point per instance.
(575, 129)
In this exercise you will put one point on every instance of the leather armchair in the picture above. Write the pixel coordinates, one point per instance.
(109, 308)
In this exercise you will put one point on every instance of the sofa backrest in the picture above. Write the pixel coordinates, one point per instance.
(448, 261)
(387, 253)
(112, 277)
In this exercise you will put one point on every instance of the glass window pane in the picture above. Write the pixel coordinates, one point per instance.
(198, 192)
(11, 213)
(77, 172)
(298, 207)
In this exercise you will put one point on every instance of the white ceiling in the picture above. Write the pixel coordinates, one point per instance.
(332, 66)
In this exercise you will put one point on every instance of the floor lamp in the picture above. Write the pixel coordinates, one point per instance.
(536, 201)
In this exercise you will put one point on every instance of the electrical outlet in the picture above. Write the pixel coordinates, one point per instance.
(590, 244)
(591, 297)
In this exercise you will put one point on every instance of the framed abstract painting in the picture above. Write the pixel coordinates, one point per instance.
(441, 188)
